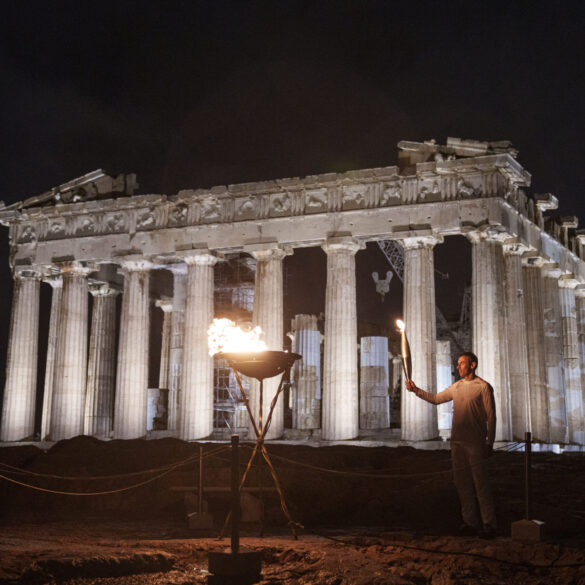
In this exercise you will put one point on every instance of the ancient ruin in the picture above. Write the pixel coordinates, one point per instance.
(94, 237)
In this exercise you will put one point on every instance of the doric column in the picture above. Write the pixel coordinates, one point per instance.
(176, 350)
(101, 368)
(517, 340)
(374, 397)
(197, 379)
(18, 410)
(340, 404)
(132, 381)
(580, 302)
(489, 323)
(535, 343)
(419, 418)
(553, 353)
(68, 404)
(444, 380)
(166, 305)
(306, 386)
(56, 282)
(268, 314)
(573, 390)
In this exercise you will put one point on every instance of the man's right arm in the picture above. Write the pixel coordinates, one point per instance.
(439, 398)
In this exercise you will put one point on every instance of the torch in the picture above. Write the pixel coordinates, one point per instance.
(404, 350)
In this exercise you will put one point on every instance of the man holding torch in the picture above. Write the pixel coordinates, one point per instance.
(472, 437)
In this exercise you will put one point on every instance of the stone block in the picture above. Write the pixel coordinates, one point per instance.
(528, 530)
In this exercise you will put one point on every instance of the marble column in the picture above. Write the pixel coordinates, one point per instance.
(130, 406)
(197, 379)
(444, 380)
(176, 350)
(306, 379)
(489, 323)
(340, 404)
(69, 386)
(374, 379)
(580, 302)
(419, 418)
(166, 305)
(553, 353)
(101, 369)
(268, 314)
(535, 342)
(517, 340)
(573, 390)
(18, 409)
(56, 282)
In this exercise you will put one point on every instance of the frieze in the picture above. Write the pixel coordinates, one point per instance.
(316, 201)
(86, 226)
(353, 196)
(56, 229)
(115, 223)
(178, 215)
(27, 234)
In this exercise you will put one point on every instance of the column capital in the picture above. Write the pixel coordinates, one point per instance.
(580, 290)
(200, 257)
(515, 247)
(265, 252)
(135, 264)
(341, 244)
(27, 272)
(164, 303)
(489, 234)
(568, 281)
(552, 270)
(102, 289)
(74, 267)
(419, 242)
(533, 261)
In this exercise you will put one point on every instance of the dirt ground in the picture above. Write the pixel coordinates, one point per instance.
(369, 516)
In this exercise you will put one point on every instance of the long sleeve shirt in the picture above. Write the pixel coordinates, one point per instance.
(474, 412)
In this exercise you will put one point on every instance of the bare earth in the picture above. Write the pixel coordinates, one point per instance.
(371, 516)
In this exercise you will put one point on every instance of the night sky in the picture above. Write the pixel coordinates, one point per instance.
(195, 94)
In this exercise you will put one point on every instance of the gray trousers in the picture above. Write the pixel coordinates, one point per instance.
(472, 483)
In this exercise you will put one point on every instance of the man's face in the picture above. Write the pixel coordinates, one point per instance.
(465, 366)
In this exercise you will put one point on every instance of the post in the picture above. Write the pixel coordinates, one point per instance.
(235, 494)
(200, 490)
(528, 472)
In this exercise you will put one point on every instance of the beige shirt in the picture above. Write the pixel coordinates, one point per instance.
(474, 411)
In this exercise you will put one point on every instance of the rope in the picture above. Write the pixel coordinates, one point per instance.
(20, 471)
(364, 474)
(107, 492)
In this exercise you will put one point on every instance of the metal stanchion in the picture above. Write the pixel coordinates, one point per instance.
(528, 530)
(234, 566)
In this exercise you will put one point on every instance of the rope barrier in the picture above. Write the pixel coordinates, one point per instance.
(102, 493)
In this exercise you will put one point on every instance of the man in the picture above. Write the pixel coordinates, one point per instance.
(472, 437)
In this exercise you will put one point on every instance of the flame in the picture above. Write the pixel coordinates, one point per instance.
(224, 335)
(400, 325)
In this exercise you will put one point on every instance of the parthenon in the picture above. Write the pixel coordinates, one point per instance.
(94, 236)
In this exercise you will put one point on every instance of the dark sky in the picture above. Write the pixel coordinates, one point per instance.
(193, 94)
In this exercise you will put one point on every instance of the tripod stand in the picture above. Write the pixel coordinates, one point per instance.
(261, 365)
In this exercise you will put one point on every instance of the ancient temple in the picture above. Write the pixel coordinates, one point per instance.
(94, 237)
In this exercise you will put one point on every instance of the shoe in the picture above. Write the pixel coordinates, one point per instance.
(466, 530)
(488, 532)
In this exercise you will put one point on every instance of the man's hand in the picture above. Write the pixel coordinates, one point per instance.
(410, 386)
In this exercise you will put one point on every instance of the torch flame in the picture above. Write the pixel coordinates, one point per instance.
(400, 325)
(223, 335)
